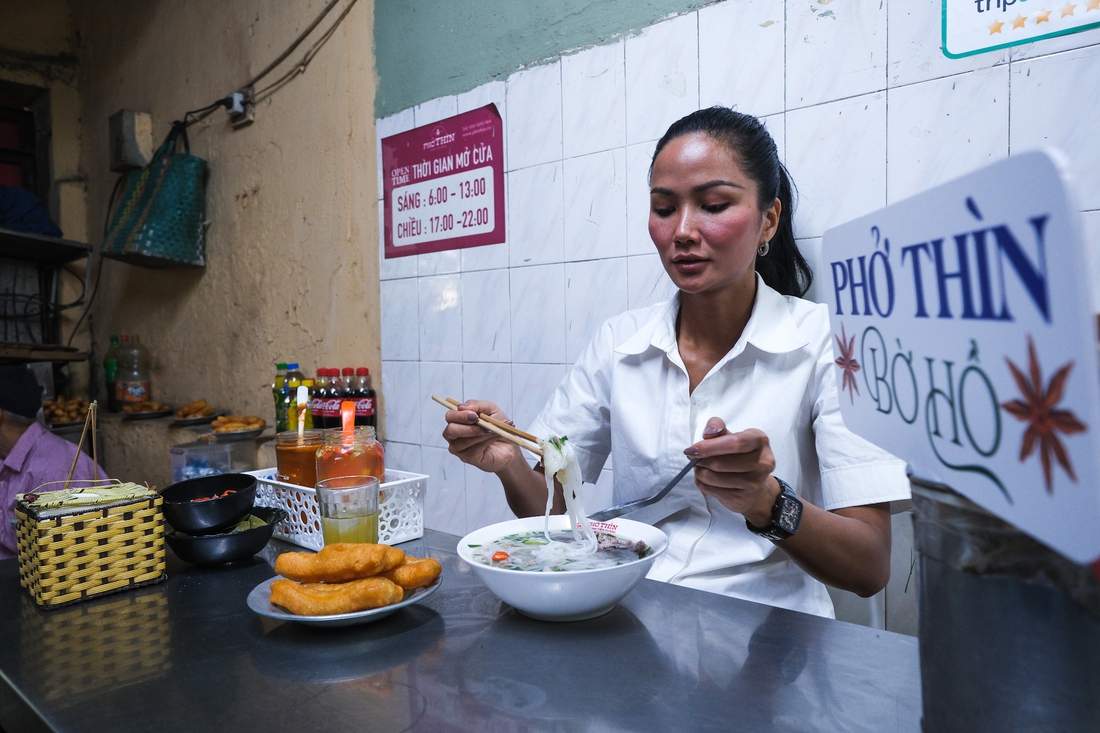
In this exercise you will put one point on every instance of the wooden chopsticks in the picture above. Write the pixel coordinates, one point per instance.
(523, 439)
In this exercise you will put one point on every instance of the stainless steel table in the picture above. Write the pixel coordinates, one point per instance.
(189, 655)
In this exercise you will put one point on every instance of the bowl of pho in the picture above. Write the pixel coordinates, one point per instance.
(538, 584)
(562, 567)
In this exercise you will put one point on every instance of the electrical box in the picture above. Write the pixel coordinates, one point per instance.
(131, 140)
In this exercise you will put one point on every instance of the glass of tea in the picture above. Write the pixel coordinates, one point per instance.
(296, 457)
(349, 509)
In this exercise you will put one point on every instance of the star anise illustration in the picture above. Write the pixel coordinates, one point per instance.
(1043, 421)
(848, 365)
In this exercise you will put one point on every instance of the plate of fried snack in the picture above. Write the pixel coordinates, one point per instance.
(344, 584)
(195, 413)
(237, 427)
(65, 412)
(145, 410)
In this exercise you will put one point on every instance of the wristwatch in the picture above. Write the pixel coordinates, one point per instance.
(786, 514)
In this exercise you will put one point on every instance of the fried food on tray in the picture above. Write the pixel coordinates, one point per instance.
(338, 563)
(324, 599)
(198, 408)
(415, 572)
(62, 410)
(237, 423)
(147, 406)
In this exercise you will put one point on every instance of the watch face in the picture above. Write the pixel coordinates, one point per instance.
(790, 514)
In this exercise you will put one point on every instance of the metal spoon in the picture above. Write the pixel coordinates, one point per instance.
(631, 506)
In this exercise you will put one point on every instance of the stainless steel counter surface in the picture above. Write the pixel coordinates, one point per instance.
(189, 655)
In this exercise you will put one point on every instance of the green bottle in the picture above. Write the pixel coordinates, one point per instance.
(278, 389)
(110, 367)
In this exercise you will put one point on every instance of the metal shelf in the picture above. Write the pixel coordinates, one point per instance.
(12, 352)
(40, 249)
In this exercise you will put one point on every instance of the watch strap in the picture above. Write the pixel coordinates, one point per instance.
(786, 515)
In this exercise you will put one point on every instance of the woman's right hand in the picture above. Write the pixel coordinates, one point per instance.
(475, 445)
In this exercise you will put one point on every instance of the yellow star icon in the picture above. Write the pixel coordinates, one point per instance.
(1043, 16)
(1019, 20)
(995, 27)
(1067, 9)
(1093, 5)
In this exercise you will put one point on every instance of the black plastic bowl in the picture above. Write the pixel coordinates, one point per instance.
(215, 515)
(218, 549)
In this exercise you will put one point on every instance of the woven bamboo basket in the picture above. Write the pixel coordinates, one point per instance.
(73, 554)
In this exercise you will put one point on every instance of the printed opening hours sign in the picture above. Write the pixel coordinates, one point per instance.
(443, 185)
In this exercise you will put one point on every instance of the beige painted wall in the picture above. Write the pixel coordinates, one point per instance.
(292, 257)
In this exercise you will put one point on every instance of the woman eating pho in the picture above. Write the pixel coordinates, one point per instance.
(736, 370)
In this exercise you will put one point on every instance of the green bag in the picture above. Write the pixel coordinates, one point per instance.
(159, 221)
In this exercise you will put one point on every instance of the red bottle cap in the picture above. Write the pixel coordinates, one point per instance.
(362, 372)
(348, 371)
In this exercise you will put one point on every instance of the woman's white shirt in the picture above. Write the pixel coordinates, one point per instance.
(627, 397)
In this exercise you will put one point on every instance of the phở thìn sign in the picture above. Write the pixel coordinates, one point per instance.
(443, 184)
(965, 343)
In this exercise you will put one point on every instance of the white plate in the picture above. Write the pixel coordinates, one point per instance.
(259, 600)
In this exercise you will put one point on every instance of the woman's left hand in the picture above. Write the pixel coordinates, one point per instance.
(847, 548)
(736, 469)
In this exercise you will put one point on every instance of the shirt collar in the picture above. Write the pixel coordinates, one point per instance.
(770, 328)
(22, 447)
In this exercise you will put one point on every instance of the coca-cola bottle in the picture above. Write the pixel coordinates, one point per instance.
(325, 399)
(317, 398)
(335, 397)
(364, 398)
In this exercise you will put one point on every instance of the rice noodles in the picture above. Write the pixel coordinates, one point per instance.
(560, 461)
(541, 551)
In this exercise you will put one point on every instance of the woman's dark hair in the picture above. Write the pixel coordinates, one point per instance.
(783, 268)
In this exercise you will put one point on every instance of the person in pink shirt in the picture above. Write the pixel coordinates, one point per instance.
(30, 455)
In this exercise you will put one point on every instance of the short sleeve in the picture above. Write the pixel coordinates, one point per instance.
(580, 407)
(854, 471)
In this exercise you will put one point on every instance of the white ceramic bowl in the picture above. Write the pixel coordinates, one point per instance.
(573, 595)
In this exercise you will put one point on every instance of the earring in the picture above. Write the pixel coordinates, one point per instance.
(762, 250)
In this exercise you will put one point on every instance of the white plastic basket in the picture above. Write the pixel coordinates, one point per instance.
(400, 508)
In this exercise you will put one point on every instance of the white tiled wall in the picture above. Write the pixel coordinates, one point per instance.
(865, 110)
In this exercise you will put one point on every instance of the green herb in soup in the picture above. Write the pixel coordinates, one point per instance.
(532, 551)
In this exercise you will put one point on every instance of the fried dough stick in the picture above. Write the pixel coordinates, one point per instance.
(327, 599)
(415, 572)
(339, 562)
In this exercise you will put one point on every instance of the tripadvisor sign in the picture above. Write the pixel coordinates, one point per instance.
(965, 343)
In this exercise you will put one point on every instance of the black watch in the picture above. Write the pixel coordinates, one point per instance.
(786, 514)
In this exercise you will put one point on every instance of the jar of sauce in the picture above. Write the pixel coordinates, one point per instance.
(351, 453)
(296, 457)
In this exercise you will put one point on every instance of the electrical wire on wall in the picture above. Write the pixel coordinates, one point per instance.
(235, 100)
(235, 104)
